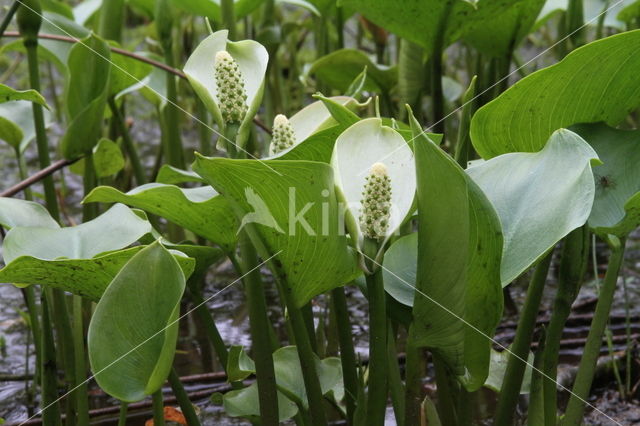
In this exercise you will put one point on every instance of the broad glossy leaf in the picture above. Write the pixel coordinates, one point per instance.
(597, 82)
(356, 150)
(540, 197)
(423, 21)
(173, 176)
(294, 208)
(252, 59)
(338, 69)
(107, 159)
(503, 34)
(133, 333)
(86, 95)
(126, 72)
(199, 210)
(16, 124)
(84, 277)
(317, 147)
(400, 268)
(9, 94)
(116, 228)
(244, 403)
(15, 212)
(616, 207)
(458, 272)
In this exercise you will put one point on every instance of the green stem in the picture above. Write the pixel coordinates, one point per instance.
(463, 144)
(437, 70)
(415, 369)
(173, 143)
(377, 386)
(111, 18)
(49, 369)
(573, 264)
(41, 135)
(122, 420)
(510, 391)
(205, 316)
(8, 17)
(446, 394)
(132, 152)
(22, 172)
(347, 351)
(396, 388)
(158, 408)
(307, 315)
(80, 384)
(32, 308)
(228, 17)
(183, 399)
(582, 385)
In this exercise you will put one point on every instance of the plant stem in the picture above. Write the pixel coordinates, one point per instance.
(158, 408)
(122, 420)
(463, 144)
(228, 17)
(307, 315)
(446, 396)
(22, 172)
(582, 385)
(437, 94)
(347, 352)
(132, 153)
(183, 399)
(396, 388)
(80, 385)
(414, 372)
(8, 17)
(49, 370)
(377, 386)
(111, 18)
(41, 135)
(210, 325)
(573, 264)
(510, 390)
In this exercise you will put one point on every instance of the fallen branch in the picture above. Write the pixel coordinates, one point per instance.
(20, 186)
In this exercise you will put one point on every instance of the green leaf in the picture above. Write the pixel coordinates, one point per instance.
(499, 361)
(8, 94)
(173, 176)
(244, 403)
(126, 72)
(294, 208)
(338, 69)
(86, 95)
(200, 210)
(424, 22)
(133, 333)
(107, 158)
(502, 35)
(252, 59)
(400, 269)
(16, 124)
(597, 82)
(616, 207)
(84, 277)
(458, 272)
(239, 365)
(540, 197)
(317, 147)
(116, 228)
(211, 8)
(153, 87)
(15, 212)
(356, 150)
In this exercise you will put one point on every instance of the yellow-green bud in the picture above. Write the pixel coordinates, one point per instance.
(283, 135)
(232, 97)
(376, 203)
(29, 18)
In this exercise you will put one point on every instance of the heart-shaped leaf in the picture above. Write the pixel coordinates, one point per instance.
(458, 265)
(295, 211)
(357, 149)
(107, 159)
(540, 197)
(616, 207)
(597, 82)
(133, 333)
(200, 210)
(252, 59)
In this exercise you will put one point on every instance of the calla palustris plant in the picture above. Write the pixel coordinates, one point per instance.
(207, 67)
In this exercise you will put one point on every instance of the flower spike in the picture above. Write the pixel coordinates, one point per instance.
(376, 202)
(232, 96)
(283, 135)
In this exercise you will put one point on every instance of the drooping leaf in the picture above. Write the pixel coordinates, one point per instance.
(116, 228)
(597, 82)
(15, 212)
(16, 124)
(252, 59)
(133, 333)
(84, 277)
(616, 207)
(356, 150)
(425, 21)
(339, 68)
(458, 258)
(540, 197)
(200, 210)
(294, 208)
(86, 95)
(9, 94)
